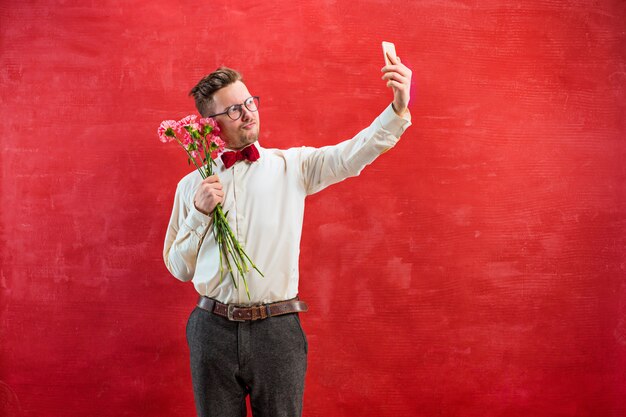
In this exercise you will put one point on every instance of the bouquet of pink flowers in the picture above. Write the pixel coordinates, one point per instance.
(200, 140)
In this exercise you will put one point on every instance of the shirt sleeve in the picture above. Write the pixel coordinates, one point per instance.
(321, 167)
(185, 233)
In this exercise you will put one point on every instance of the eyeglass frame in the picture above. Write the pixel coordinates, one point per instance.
(257, 98)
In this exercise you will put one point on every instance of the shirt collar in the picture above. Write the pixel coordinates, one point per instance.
(255, 143)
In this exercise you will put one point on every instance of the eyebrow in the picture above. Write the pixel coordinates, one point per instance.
(238, 104)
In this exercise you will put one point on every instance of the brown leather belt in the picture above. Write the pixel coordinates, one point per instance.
(240, 313)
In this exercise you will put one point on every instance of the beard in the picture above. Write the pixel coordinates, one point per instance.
(246, 137)
(249, 137)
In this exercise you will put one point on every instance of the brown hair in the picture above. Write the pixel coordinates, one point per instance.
(203, 92)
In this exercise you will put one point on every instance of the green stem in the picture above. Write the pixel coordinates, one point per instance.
(207, 158)
(218, 238)
(202, 174)
(233, 248)
(241, 252)
(224, 252)
(232, 251)
(225, 243)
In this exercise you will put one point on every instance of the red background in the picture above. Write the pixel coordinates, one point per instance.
(477, 269)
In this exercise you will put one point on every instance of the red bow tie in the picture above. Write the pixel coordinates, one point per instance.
(250, 153)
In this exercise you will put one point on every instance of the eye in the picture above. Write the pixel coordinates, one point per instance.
(234, 111)
(252, 103)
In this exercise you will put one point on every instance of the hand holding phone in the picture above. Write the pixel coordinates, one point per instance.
(398, 78)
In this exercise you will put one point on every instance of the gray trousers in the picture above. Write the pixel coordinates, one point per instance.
(265, 359)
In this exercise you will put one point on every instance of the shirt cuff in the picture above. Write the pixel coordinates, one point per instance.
(198, 221)
(393, 123)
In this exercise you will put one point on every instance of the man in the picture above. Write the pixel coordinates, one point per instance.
(240, 346)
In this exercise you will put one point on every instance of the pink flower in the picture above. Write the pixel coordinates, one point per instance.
(191, 121)
(167, 130)
(183, 135)
(188, 120)
(209, 125)
(216, 144)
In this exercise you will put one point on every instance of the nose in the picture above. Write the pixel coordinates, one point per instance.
(246, 115)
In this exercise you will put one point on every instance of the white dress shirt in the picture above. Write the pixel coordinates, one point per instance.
(265, 205)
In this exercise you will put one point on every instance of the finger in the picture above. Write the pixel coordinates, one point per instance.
(211, 179)
(397, 68)
(400, 74)
(392, 59)
(396, 84)
(209, 188)
(394, 76)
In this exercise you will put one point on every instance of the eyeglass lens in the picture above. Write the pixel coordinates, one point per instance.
(235, 112)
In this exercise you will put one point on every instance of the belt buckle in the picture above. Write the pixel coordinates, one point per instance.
(231, 310)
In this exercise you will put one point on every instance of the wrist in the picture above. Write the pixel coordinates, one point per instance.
(199, 209)
(398, 110)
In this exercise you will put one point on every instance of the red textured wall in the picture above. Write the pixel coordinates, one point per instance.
(478, 269)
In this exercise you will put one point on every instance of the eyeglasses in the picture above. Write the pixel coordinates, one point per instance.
(235, 111)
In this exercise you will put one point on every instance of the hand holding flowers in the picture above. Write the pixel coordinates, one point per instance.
(208, 195)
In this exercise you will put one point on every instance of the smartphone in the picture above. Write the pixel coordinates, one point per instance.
(389, 50)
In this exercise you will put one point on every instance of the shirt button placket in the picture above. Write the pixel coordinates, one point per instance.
(240, 232)
(238, 203)
(235, 227)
